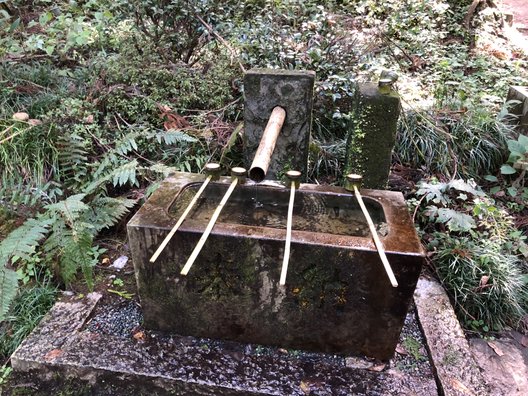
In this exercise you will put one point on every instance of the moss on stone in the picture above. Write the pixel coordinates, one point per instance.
(372, 134)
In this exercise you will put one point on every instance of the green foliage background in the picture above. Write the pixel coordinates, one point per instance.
(121, 93)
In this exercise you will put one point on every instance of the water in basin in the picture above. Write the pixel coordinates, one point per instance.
(252, 205)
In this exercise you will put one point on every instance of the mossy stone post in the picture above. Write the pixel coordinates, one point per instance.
(372, 133)
(293, 91)
(520, 108)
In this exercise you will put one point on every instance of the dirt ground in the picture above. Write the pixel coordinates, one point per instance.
(519, 8)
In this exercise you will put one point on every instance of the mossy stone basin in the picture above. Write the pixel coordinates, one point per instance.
(337, 297)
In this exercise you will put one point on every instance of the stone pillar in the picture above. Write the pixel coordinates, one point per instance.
(372, 134)
(292, 90)
(520, 109)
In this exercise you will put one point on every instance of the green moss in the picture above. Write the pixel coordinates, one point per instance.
(371, 137)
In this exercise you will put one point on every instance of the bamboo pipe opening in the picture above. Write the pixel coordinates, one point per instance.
(259, 167)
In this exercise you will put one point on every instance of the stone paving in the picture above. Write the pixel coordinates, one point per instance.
(72, 343)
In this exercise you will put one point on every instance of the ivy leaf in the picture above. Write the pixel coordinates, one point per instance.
(507, 170)
(524, 141)
(461, 185)
(512, 191)
(496, 190)
(431, 211)
(516, 147)
(455, 221)
(491, 178)
(434, 192)
(49, 49)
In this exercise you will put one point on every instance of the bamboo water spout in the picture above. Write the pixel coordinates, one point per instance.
(213, 172)
(261, 161)
(352, 183)
(238, 176)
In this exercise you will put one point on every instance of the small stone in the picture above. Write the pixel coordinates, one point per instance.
(357, 362)
(21, 116)
(378, 367)
(120, 262)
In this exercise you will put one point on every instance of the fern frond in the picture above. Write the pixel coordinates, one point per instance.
(19, 244)
(172, 137)
(77, 254)
(127, 143)
(22, 241)
(126, 174)
(73, 158)
(105, 166)
(108, 211)
(8, 289)
(70, 208)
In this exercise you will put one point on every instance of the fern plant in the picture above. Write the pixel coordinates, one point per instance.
(68, 229)
(75, 225)
(18, 245)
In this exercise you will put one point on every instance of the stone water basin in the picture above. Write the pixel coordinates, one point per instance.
(337, 297)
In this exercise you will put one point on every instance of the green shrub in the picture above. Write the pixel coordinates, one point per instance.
(136, 87)
(467, 145)
(477, 253)
(486, 284)
(28, 308)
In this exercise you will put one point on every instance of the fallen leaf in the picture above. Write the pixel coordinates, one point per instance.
(357, 363)
(484, 280)
(401, 350)
(305, 387)
(52, 355)
(106, 260)
(139, 336)
(164, 108)
(21, 116)
(34, 122)
(496, 348)
(308, 385)
(282, 350)
(461, 387)
(120, 262)
(174, 121)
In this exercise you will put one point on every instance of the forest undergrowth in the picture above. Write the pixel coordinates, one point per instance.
(100, 100)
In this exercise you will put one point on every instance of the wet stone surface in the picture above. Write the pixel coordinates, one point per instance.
(337, 297)
(112, 356)
(454, 364)
(293, 91)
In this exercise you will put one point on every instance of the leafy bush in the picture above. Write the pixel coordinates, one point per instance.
(171, 28)
(457, 145)
(59, 30)
(487, 285)
(135, 87)
(477, 253)
(29, 307)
